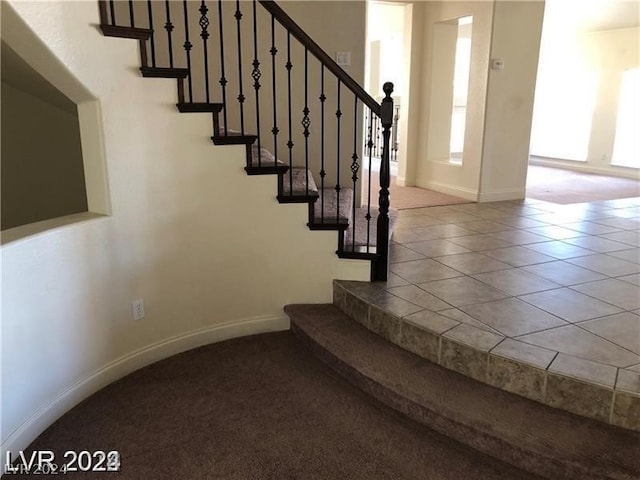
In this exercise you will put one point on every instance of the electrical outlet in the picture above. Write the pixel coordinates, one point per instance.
(138, 309)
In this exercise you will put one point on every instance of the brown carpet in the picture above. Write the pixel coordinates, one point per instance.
(562, 186)
(257, 408)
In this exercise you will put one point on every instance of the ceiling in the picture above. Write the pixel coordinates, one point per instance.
(17, 73)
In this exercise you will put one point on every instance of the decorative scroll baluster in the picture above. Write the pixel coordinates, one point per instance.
(153, 33)
(256, 74)
(223, 79)
(168, 26)
(289, 66)
(323, 172)
(338, 188)
(274, 52)
(396, 119)
(112, 10)
(241, 97)
(131, 16)
(355, 167)
(306, 121)
(382, 241)
(187, 47)
(370, 187)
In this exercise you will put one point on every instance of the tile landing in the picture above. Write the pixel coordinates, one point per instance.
(535, 298)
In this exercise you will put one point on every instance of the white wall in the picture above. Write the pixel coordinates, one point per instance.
(436, 173)
(517, 26)
(579, 84)
(208, 248)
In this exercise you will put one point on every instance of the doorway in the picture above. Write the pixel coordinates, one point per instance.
(586, 101)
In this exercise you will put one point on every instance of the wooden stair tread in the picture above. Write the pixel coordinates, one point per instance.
(191, 107)
(532, 436)
(234, 138)
(125, 32)
(164, 72)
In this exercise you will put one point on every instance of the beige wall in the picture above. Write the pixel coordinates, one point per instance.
(334, 26)
(517, 27)
(209, 249)
(433, 172)
(42, 169)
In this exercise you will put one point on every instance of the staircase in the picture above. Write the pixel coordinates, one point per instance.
(256, 44)
(302, 118)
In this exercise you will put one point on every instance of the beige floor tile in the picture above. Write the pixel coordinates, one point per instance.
(519, 256)
(472, 262)
(462, 291)
(560, 250)
(516, 281)
(592, 372)
(564, 273)
(417, 296)
(621, 294)
(523, 352)
(474, 337)
(436, 248)
(512, 317)
(418, 271)
(622, 329)
(480, 242)
(575, 341)
(570, 305)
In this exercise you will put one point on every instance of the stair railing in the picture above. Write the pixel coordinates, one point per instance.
(242, 46)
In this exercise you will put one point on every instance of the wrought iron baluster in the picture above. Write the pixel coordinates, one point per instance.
(289, 66)
(338, 188)
(323, 173)
(187, 47)
(370, 150)
(355, 167)
(168, 26)
(306, 121)
(223, 79)
(274, 52)
(112, 10)
(153, 33)
(241, 97)
(131, 15)
(256, 74)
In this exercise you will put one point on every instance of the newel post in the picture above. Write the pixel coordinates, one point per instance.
(380, 268)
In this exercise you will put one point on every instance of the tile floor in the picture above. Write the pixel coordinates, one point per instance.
(555, 285)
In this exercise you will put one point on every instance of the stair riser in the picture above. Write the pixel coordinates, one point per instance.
(544, 466)
(525, 380)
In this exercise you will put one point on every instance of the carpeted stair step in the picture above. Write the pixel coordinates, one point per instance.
(548, 442)
(330, 206)
(296, 185)
(364, 230)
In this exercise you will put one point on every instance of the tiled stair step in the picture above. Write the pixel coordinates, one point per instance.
(328, 202)
(545, 441)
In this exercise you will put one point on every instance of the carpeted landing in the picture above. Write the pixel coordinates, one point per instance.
(257, 408)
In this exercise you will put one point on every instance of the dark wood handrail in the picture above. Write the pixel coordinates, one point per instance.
(287, 22)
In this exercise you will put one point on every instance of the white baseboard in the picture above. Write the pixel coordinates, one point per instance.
(71, 396)
(500, 196)
(612, 171)
(461, 192)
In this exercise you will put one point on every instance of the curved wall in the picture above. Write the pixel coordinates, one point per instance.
(209, 249)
